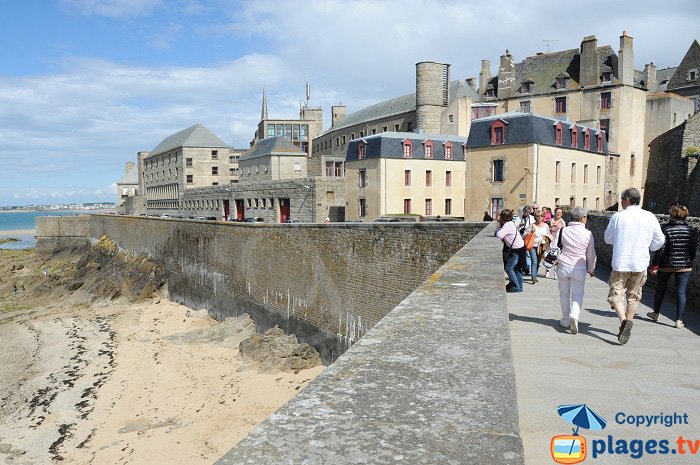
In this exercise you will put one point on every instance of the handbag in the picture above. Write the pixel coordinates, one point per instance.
(529, 240)
(552, 256)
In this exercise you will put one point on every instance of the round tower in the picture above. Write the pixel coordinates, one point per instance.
(432, 95)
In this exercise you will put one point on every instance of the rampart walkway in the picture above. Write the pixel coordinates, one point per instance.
(657, 372)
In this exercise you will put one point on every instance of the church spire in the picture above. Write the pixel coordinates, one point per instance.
(263, 113)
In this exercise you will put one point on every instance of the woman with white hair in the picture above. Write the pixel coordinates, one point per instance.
(577, 257)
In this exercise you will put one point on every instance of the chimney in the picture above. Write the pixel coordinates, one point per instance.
(484, 76)
(590, 62)
(338, 113)
(625, 60)
(471, 82)
(650, 77)
(506, 75)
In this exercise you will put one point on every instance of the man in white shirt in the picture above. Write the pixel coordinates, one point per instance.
(633, 232)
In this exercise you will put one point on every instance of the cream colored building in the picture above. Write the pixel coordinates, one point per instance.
(515, 159)
(396, 173)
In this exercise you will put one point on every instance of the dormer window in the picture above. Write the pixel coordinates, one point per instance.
(407, 148)
(448, 150)
(361, 151)
(587, 139)
(574, 136)
(464, 150)
(428, 148)
(600, 141)
(562, 82)
(498, 132)
(526, 87)
(692, 74)
(490, 93)
(607, 77)
(558, 133)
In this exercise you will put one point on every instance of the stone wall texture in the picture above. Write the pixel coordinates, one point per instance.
(328, 284)
(598, 222)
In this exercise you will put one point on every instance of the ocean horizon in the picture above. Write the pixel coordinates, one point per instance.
(22, 225)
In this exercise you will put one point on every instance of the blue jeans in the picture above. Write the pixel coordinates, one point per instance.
(534, 262)
(513, 272)
(662, 278)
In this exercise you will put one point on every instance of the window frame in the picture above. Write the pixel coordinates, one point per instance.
(448, 149)
(560, 104)
(428, 149)
(407, 147)
(407, 178)
(428, 178)
(498, 132)
(498, 175)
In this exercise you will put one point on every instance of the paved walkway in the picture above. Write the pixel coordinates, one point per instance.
(656, 373)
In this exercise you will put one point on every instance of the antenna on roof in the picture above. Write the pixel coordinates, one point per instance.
(308, 91)
(547, 43)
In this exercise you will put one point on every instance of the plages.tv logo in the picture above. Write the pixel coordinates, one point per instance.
(572, 448)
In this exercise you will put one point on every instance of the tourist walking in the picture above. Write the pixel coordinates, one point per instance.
(525, 222)
(555, 225)
(513, 250)
(675, 259)
(576, 258)
(633, 232)
(540, 229)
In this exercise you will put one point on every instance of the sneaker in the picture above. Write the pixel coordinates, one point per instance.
(654, 316)
(625, 332)
(573, 326)
(679, 324)
(564, 325)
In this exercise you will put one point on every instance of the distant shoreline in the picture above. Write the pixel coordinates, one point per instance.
(16, 232)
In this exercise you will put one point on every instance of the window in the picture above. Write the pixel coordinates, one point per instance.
(497, 205)
(605, 126)
(605, 100)
(498, 132)
(270, 130)
(428, 178)
(632, 164)
(329, 169)
(448, 206)
(304, 135)
(231, 171)
(428, 206)
(374, 131)
(574, 136)
(361, 151)
(587, 139)
(363, 208)
(558, 133)
(396, 128)
(585, 202)
(190, 179)
(406, 206)
(214, 154)
(607, 76)
(362, 178)
(451, 118)
(597, 203)
(352, 136)
(573, 172)
(339, 169)
(428, 149)
(448, 150)
(337, 141)
(385, 128)
(600, 141)
(525, 88)
(585, 175)
(482, 111)
(557, 172)
(557, 201)
(560, 105)
(448, 178)
(597, 175)
(692, 74)
(409, 126)
(407, 149)
(561, 82)
(214, 170)
(498, 170)
(525, 106)
(362, 134)
(343, 139)
(188, 162)
(407, 178)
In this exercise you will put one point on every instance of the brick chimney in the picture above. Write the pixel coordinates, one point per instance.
(625, 60)
(590, 62)
(484, 76)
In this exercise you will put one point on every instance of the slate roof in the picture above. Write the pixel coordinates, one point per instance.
(390, 145)
(131, 176)
(279, 145)
(194, 136)
(691, 60)
(542, 70)
(526, 128)
(399, 105)
(663, 76)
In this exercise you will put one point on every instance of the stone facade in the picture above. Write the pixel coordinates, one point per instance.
(673, 168)
(328, 284)
(686, 79)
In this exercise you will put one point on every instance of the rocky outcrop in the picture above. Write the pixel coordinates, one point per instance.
(278, 352)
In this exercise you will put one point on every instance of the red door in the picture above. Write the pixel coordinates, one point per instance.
(227, 210)
(240, 211)
(284, 210)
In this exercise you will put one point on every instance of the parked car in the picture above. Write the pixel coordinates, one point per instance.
(254, 220)
(292, 221)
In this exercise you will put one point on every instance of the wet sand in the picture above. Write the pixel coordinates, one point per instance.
(106, 383)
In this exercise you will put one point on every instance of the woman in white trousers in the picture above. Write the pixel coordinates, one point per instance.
(576, 259)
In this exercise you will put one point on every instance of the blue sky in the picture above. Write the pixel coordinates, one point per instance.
(85, 84)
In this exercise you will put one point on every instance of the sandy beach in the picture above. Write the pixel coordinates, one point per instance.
(17, 232)
(95, 381)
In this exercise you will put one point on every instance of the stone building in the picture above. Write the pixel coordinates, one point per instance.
(127, 186)
(273, 158)
(673, 168)
(686, 78)
(515, 159)
(395, 173)
(193, 157)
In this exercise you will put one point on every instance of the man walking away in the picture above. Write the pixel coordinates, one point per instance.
(633, 232)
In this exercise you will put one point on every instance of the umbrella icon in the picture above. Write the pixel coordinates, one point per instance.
(582, 417)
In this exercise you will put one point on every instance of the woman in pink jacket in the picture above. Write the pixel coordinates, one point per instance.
(577, 257)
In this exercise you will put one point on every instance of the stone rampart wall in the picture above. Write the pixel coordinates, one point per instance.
(328, 284)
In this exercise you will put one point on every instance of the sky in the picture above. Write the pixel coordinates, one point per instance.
(85, 84)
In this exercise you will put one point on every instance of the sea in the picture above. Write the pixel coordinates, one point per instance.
(10, 222)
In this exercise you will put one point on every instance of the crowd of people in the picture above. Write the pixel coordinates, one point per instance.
(534, 236)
